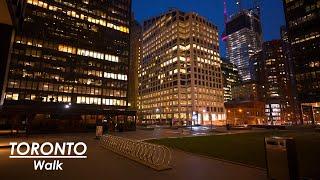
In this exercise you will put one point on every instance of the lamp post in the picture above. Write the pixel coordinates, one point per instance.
(227, 123)
(211, 123)
(157, 111)
(234, 116)
(167, 111)
(240, 111)
(313, 115)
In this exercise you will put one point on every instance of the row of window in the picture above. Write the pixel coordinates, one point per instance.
(101, 22)
(100, 101)
(63, 48)
(66, 99)
(88, 53)
(33, 97)
(197, 118)
(63, 88)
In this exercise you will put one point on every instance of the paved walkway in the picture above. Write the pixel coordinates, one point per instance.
(104, 164)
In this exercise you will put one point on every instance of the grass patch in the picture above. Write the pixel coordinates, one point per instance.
(248, 148)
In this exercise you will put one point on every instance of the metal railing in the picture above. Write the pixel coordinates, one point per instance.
(152, 155)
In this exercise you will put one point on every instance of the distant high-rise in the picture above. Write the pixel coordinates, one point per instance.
(244, 39)
(302, 19)
(71, 58)
(180, 75)
(231, 78)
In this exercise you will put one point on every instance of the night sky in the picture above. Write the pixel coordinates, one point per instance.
(272, 13)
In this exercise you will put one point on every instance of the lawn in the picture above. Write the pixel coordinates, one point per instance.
(248, 148)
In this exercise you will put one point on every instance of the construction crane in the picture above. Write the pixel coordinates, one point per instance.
(225, 13)
(239, 4)
(257, 6)
(226, 18)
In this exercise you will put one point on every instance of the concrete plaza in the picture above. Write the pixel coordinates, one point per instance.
(104, 164)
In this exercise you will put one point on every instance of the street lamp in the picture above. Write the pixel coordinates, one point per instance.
(240, 115)
(227, 123)
(157, 111)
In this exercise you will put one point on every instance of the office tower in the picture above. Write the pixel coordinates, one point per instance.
(231, 78)
(244, 39)
(10, 19)
(135, 57)
(302, 20)
(70, 62)
(276, 83)
(290, 67)
(180, 75)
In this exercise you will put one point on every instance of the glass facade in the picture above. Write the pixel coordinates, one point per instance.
(71, 52)
(244, 39)
(302, 18)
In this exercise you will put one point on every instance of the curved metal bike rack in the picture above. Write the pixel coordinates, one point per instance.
(152, 155)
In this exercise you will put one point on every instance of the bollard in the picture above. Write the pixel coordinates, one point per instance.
(154, 156)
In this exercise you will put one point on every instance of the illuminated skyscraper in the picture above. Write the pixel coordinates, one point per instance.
(180, 75)
(244, 39)
(71, 57)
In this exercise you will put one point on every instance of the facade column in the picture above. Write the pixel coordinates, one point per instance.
(301, 107)
(313, 115)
